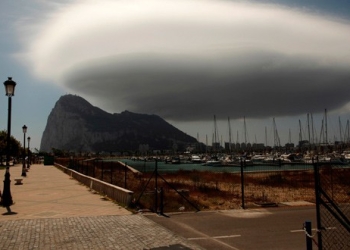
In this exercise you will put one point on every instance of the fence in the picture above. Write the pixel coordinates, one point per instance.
(113, 192)
(333, 206)
(230, 187)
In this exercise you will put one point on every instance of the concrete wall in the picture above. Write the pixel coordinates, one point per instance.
(118, 194)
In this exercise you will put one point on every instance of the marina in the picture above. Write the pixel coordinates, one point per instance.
(162, 166)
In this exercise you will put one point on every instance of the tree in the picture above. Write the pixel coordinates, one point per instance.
(15, 146)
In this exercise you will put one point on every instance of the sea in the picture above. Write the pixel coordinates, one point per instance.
(150, 166)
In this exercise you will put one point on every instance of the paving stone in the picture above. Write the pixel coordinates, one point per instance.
(54, 211)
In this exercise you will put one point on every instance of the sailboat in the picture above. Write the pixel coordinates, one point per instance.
(214, 161)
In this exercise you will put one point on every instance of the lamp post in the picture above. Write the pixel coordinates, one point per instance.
(28, 162)
(24, 172)
(6, 194)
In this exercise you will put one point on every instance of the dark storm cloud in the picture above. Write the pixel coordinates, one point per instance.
(180, 88)
(188, 60)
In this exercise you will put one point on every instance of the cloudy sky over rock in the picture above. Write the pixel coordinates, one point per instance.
(185, 61)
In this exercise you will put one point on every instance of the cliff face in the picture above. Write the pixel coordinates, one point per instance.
(76, 125)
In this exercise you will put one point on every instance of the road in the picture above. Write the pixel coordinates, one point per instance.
(263, 228)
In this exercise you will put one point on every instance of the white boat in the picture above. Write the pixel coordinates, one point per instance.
(212, 163)
(346, 155)
(196, 159)
(285, 158)
(257, 158)
(269, 159)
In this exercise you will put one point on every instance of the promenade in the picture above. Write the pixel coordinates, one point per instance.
(53, 211)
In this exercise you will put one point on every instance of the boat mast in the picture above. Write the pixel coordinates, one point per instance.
(221, 141)
(206, 144)
(347, 129)
(274, 132)
(290, 137)
(229, 134)
(215, 135)
(340, 131)
(308, 126)
(308, 130)
(213, 142)
(300, 134)
(276, 137)
(199, 145)
(322, 132)
(289, 140)
(325, 118)
(312, 129)
(245, 132)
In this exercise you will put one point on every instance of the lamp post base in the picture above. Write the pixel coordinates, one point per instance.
(6, 200)
(8, 210)
(24, 173)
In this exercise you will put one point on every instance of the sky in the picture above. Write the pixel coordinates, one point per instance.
(257, 66)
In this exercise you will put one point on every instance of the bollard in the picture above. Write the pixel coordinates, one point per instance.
(307, 228)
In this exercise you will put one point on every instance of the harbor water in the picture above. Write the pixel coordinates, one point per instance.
(149, 166)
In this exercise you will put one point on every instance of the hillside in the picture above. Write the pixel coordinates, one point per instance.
(76, 125)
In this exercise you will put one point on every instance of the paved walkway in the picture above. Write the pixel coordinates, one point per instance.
(53, 211)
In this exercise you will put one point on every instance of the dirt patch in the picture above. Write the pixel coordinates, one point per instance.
(188, 190)
(206, 190)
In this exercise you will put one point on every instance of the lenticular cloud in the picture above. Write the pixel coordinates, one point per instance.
(189, 59)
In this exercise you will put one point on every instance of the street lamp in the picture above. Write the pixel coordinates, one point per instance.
(28, 162)
(6, 194)
(24, 172)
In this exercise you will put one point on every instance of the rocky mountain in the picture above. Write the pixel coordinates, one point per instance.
(75, 125)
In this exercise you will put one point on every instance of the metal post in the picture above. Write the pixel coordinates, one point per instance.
(317, 194)
(111, 166)
(28, 161)
(93, 169)
(125, 175)
(8, 133)
(6, 194)
(87, 167)
(102, 170)
(161, 206)
(242, 184)
(308, 235)
(156, 188)
(24, 172)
